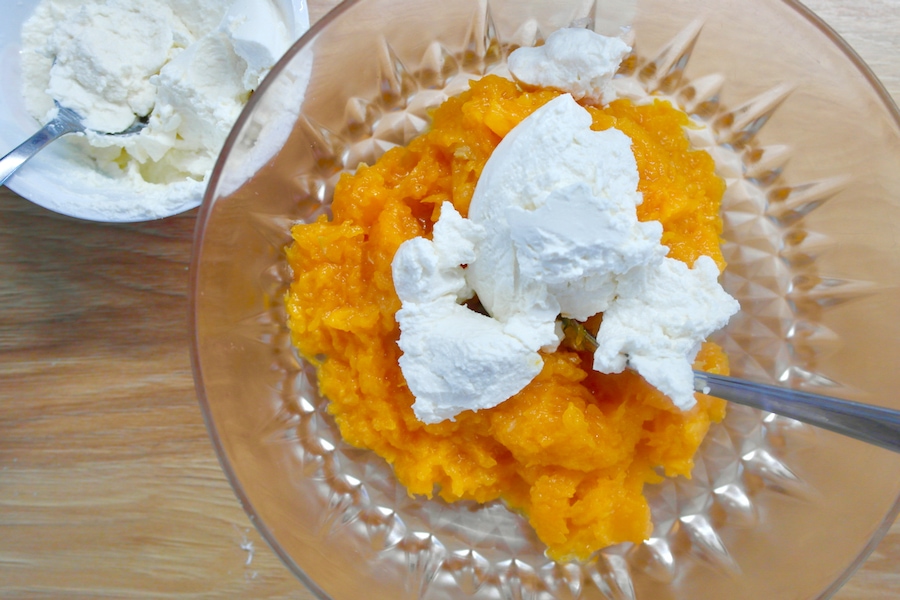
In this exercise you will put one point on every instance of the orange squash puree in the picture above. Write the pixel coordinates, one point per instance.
(573, 450)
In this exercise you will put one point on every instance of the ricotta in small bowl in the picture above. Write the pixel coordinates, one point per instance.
(185, 67)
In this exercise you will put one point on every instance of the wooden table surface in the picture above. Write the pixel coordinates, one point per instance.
(109, 487)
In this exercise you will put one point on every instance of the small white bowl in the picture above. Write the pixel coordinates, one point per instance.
(65, 182)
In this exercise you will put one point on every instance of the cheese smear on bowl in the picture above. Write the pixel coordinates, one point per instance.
(552, 230)
(186, 67)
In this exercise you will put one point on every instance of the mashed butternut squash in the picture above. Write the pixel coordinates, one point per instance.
(573, 450)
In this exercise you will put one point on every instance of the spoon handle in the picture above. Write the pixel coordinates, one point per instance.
(872, 424)
(65, 122)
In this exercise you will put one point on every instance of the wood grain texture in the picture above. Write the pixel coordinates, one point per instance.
(109, 486)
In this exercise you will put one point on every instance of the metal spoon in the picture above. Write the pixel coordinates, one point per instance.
(871, 424)
(65, 121)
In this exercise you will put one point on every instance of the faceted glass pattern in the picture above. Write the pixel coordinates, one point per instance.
(808, 143)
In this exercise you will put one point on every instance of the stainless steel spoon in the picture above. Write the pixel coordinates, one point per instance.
(871, 424)
(66, 121)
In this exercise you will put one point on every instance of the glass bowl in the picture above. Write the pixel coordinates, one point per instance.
(808, 142)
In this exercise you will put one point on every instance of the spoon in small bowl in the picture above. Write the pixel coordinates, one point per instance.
(871, 424)
(66, 121)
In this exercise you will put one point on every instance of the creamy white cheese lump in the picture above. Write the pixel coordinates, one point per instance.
(573, 60)
(454, 359)
(557, 201)
(186, 66)
(662, 313)
(552, 231)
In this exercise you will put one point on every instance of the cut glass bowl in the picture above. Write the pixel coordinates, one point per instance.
(808, 142)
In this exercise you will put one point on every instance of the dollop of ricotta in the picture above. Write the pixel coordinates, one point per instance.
(454, 359)
(573, 60)
(663, 311)
(557, 201)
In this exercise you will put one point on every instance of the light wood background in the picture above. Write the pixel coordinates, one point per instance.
(109, 487)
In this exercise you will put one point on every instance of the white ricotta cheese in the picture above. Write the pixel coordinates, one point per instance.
(663, 311)
(93, 76)
(187, 66)
(454, 359)
(557, 201)
(573, 60)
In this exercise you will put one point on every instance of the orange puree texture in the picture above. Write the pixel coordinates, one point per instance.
(573, 450)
